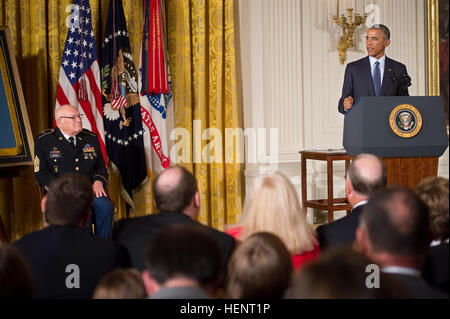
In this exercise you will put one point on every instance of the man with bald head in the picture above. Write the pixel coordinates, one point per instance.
(69, 148)
(178, 202)
(365, 175)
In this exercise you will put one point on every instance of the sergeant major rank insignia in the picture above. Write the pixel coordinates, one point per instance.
(36, 164)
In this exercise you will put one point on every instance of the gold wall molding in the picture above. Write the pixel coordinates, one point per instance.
(433, 47)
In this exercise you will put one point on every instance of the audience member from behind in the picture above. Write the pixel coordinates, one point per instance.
(434, 193)
(365, 175)
(341, 273)
(260, 267)
(66, 260)
(274, 207)
(183, 262)
(394, 232)
(121, 284)
(16, 281)
(178, 202)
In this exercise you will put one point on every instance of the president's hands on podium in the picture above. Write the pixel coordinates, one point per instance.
(348, 102)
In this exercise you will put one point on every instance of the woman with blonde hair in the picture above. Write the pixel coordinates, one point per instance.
(274, 207)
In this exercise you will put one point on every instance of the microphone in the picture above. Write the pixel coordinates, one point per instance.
(403, 82)
(392, 75)
(406, 81)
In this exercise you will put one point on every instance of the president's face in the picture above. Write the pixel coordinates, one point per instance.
(376, 43)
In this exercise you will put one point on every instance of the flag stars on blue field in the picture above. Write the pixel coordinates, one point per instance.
(118, 33)
(80, 51)
(123, 142)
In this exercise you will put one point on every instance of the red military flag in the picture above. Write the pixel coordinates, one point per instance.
(155, 88)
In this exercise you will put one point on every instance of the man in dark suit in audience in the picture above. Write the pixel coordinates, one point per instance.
(394, 232)
(183, 262)
(365, 175)
(178, 202)
(374, 75)
(66, 260)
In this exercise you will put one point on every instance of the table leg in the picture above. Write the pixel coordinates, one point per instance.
(330, 189)
(304, 199)
(347, 164)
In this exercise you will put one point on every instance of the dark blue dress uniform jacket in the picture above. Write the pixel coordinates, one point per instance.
(54, 156)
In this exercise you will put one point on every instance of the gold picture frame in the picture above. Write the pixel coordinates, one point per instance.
(437, 45)
(16, 139)
(433, 47)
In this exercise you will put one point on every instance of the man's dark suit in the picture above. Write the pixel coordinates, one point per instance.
(341, 231)
(358, 80)
(51, 250)
(436, 269)
(417, 287)
(135, 234)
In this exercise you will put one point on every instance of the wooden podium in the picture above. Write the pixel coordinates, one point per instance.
(406, 172)
(407, 132)
(410, 171)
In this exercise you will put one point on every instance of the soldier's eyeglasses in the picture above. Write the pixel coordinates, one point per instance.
(73, 118)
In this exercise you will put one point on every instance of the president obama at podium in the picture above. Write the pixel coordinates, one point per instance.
(375, 74)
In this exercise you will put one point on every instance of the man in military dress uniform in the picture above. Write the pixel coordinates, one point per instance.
(71, 149)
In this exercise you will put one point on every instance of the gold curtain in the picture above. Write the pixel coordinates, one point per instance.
(202, 54)
(201, 48)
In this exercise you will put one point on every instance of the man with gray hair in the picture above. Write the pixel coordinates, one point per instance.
(365, 175)
(374, 75)
(394, 231)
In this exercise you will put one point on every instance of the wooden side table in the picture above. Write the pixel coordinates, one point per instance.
(329, 204)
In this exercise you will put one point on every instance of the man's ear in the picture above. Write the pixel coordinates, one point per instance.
(151, 286)
(387, 43)
(348, 188)
(197, 199)
(43, 202)
(362, 241)
(85, 219)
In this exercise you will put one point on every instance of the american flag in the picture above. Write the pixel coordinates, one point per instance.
(79, 76)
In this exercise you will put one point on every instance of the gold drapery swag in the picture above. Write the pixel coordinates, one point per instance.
(201, 45)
